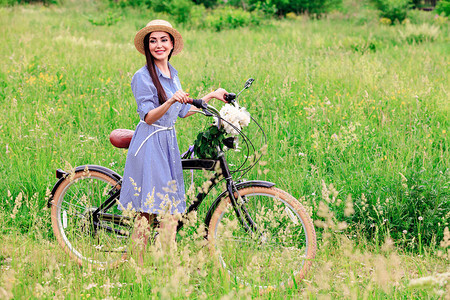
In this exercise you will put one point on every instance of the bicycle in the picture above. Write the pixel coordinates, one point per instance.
(261, 235)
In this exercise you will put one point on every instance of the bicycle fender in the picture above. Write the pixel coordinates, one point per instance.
(259, 183)
(61, 175)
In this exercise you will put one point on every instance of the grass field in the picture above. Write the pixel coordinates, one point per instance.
(351, 107)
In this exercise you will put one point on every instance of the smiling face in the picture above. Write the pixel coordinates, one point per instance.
(160, 45)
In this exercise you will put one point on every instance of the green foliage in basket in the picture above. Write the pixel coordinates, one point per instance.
(205, 146)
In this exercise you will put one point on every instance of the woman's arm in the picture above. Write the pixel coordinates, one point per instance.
(217, 94)
(155, 114)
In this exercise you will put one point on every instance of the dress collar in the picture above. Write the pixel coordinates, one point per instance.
(173, 72)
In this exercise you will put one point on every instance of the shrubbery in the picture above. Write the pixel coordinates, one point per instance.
(180, 9)
(132, 3)
(394, 10)
(187, 12)
(282, 7)
(206, 3)
(229, 18)
(443, 7)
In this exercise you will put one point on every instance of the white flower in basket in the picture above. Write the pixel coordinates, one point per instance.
(234, 116)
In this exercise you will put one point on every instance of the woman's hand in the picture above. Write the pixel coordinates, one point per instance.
(219, 94)
(155, 114)
(179, 96)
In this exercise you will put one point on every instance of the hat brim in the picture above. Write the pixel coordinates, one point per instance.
(139, 38)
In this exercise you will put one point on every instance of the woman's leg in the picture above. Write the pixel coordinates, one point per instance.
(167, 232)
(142, 229)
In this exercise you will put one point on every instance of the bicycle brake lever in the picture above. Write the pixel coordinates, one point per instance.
(208, 113)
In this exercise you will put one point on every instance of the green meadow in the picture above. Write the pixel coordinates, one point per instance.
(355, 112)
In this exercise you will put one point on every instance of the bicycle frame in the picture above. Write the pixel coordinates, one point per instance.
(231, 188)
(187, 164)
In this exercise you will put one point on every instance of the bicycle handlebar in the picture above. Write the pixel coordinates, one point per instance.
(208, 110)
(230, 97)
(199, 103)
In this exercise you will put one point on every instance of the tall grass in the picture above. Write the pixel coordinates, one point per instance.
(346, 266)
(353, 105)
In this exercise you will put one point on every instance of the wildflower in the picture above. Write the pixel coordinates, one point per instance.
(405, 232)
(420, 218)
(17, 205)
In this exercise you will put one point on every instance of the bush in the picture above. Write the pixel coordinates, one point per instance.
(443, 7)
(394, 10)
(282, 7)
(132, 3)
(206, 3)
(197, 17)
(180, 9)
(229, 18)
(291, 16)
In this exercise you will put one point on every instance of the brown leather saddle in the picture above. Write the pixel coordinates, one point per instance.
(121, 138)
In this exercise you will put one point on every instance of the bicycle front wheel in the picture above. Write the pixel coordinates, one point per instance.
(273, 246)
(89, 238)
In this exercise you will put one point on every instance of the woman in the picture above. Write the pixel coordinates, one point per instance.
(153, 178)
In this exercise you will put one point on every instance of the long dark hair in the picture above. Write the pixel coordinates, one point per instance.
(162, 97)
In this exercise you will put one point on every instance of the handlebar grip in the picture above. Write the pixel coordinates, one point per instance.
(199, 103)
(230, 97)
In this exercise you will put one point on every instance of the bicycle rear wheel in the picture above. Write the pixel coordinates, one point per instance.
(276, 251)
(101, 240)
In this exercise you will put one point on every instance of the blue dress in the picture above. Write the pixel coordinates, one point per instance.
(153, 176)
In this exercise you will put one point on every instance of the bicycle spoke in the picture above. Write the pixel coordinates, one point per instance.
(72, 205)
(276, 248)
(95, 243)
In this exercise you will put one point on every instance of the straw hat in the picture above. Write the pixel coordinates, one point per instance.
(158, 25)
